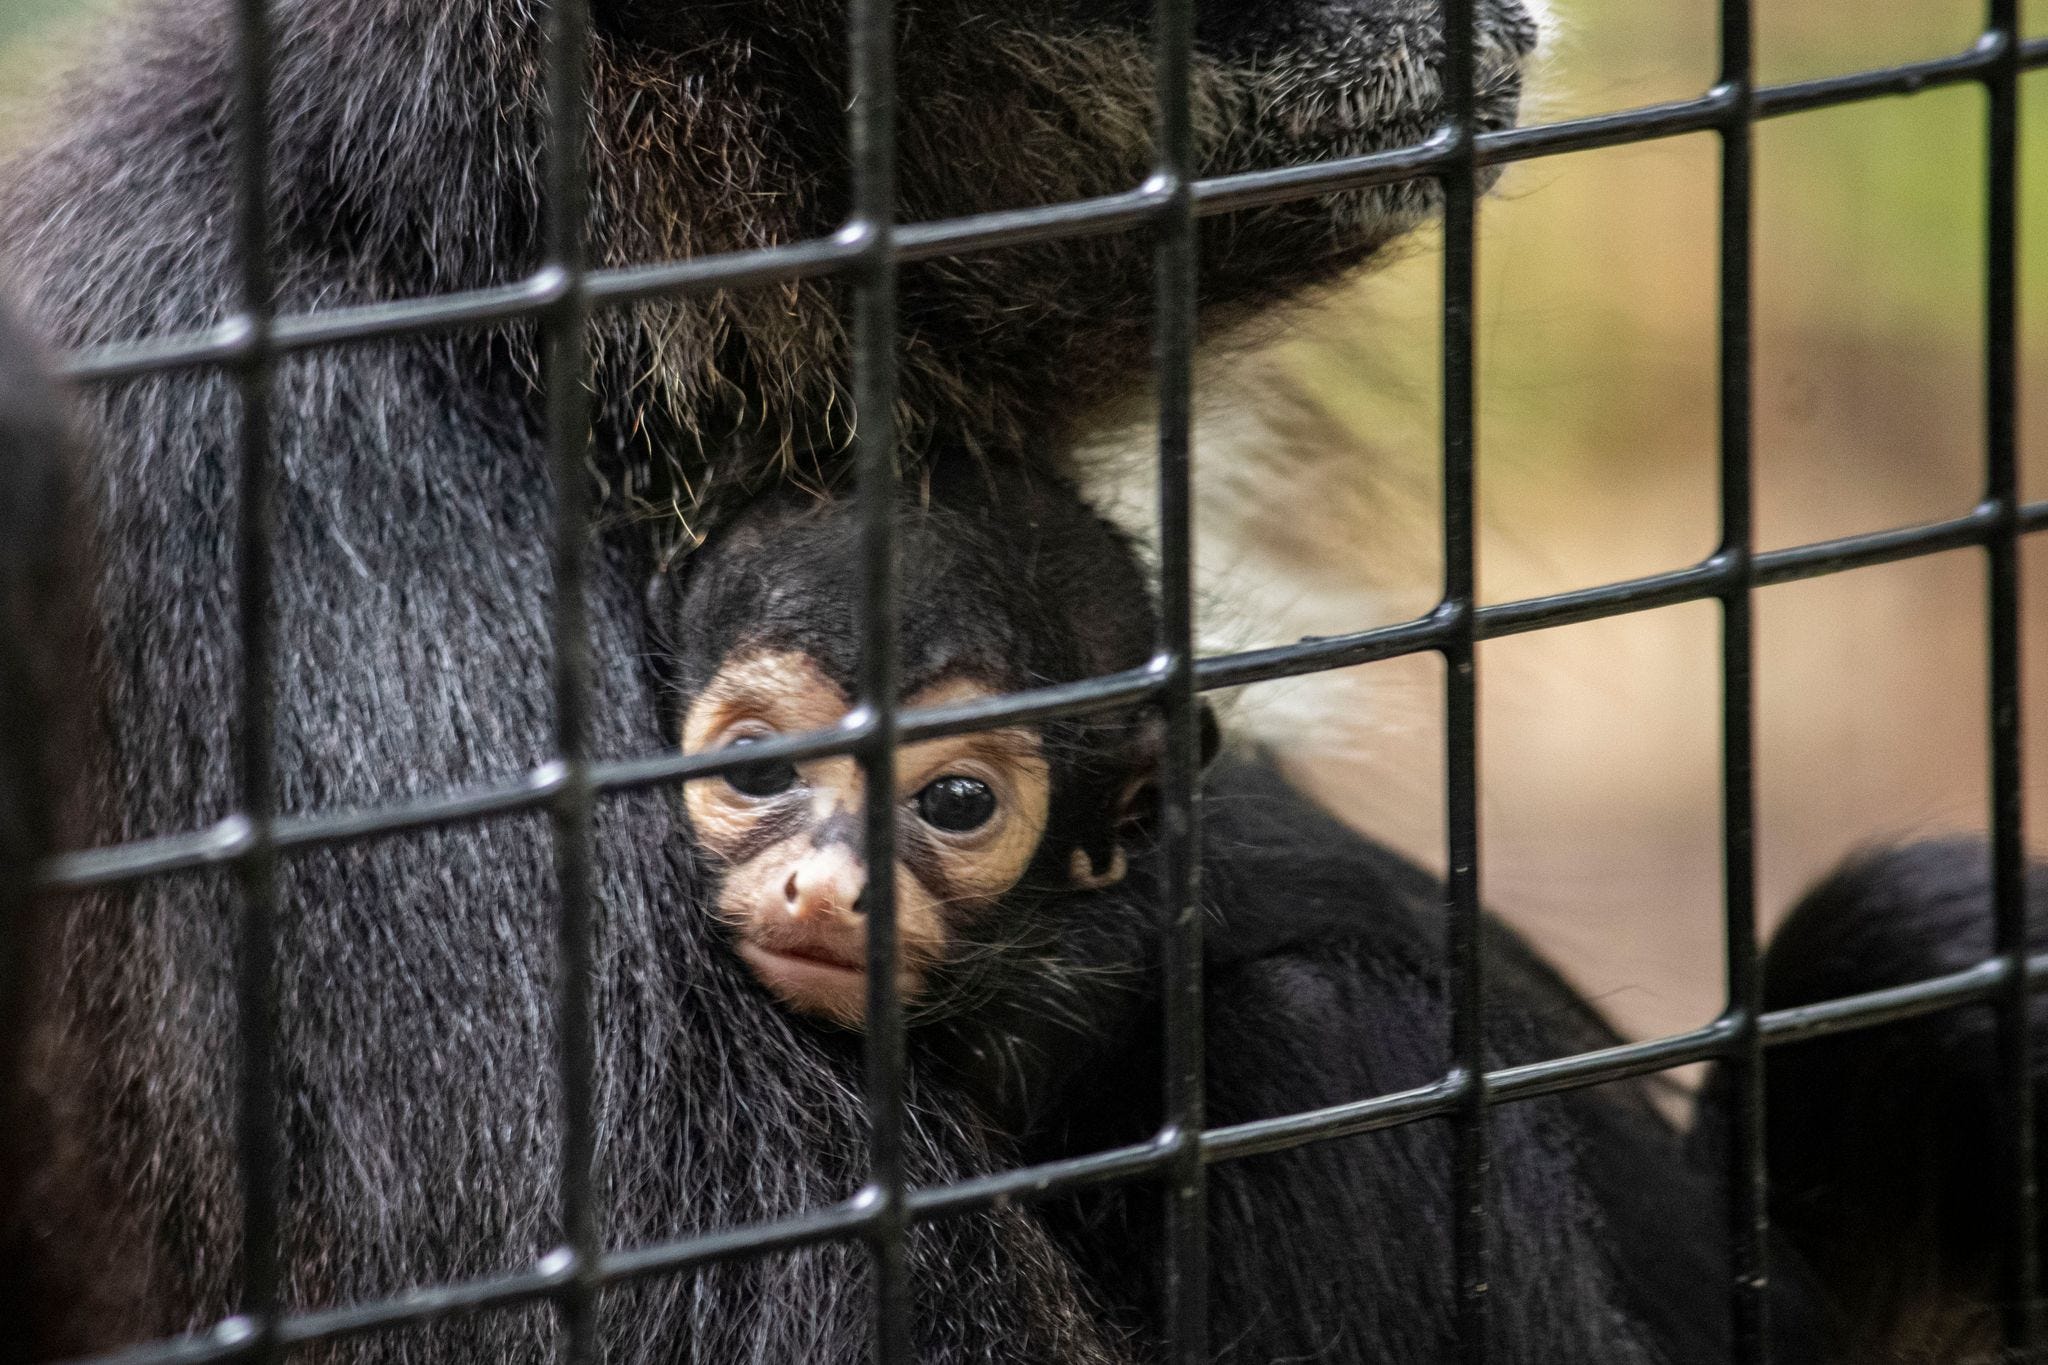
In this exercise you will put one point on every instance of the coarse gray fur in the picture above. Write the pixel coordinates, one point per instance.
(419, 1108)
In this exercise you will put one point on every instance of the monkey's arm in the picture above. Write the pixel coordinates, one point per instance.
(1325, 963)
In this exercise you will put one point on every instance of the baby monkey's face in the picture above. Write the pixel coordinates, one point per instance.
(786, 838)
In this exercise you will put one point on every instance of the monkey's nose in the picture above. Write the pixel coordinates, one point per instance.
(823, 886)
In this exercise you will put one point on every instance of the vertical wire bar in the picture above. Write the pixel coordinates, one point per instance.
(872, 71)
(256, 964)
(1748, 1212)
(1175, 271)
(567, 378)
(1466, 988)
(2021, 1287)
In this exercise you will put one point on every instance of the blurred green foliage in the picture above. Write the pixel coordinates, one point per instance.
(19, 18)
(36, 37)
(1599, 305)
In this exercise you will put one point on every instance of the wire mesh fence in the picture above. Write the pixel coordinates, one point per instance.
(564, 292)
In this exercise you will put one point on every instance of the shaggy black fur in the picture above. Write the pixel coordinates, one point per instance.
(1325, 966)
(1885, 1145)
(416, 1058)
(43, 658)
(47, 760)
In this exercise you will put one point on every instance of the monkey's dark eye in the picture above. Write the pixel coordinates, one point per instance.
(957, 804)
(760, 779)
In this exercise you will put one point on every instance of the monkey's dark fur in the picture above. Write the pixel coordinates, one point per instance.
(1324, 968)
(44, 654)
(407, 161)
(48, 760)
(1885, 1145)
(416, 1057)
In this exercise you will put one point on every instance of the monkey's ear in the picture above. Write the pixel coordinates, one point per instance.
(1090, 874)
(1101, 862)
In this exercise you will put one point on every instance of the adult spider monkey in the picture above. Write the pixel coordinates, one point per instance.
(418, 1108)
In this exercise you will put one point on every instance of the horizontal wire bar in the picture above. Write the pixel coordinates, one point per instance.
(1020, 227)
(847, 1219)
(1706, 579)
(1909, 78)
(850, 1218)
(1529, 1081)
(422, 1306)
(1697, 582)
(1970, 985)
(1282, 184)
(231, 1340)
(1872, 548)
(1624, 1061)
(231, 838)
(1439, 1099)
(223, 843)
(232, 341)
(1029, 1183)
(1320, 654)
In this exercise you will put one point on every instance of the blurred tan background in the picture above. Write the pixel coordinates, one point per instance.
(1597, 334)
(1597, 437)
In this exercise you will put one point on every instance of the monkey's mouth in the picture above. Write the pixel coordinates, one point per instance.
(816, 956)
(827, 979)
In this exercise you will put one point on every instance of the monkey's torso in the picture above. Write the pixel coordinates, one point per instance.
(1324, 985)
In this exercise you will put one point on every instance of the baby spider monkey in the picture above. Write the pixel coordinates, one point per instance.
(1009, 581)
(1032, 963)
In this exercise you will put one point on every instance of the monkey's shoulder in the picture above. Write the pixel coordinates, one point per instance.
(1283, 876)
(1300, 901)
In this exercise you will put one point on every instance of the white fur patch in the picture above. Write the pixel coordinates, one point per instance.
(1542, 73)
(1301, 529)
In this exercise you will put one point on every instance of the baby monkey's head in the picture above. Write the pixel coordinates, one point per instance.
(1009, 581)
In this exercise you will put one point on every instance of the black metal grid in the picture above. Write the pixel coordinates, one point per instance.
(867, 250)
